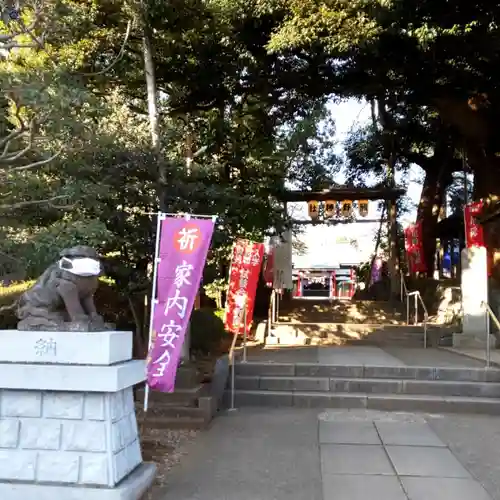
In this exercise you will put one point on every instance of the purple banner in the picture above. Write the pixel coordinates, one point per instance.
(183, 250)
(376, 272)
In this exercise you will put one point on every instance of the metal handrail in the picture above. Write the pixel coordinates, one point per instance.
(405, 294)
(491, 314)
(418, 297)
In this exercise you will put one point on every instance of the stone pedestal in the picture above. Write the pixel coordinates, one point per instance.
(475, 323)
(67, 421)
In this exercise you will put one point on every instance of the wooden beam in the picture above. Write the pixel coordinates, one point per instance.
(340, 194)
(334, 222)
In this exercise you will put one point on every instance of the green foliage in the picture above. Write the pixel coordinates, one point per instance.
(214, 290)
(207, 331)
(37, 248)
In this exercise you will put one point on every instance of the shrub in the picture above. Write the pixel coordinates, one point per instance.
(207, 331)
(8, 297)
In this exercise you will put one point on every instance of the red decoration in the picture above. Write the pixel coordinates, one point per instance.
(474, 236)
(298, 291)
(474, 233)
(268, 268)
(243, 280)
(333, 287)
(414, 248)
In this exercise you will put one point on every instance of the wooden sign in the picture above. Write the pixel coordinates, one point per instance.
(330, 208)
(313, 209)
(363, 208)
(346, 208)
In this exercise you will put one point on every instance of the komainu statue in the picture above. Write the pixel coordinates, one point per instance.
(63, 297)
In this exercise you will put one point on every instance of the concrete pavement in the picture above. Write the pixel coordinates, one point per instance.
(305, 454)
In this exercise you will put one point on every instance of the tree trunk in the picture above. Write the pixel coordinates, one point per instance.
(470, 118)
(388, 142)
(152, 94)
(432, 199)
(487, 187)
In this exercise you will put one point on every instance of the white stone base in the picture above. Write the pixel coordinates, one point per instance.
(68, 428)
(131, 488)
(76, 348)
(72, 377)
(85, 439)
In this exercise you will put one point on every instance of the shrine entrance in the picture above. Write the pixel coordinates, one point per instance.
(345, 205)
(322, 301)
(327, 283)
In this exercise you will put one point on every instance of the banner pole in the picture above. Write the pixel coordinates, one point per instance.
(153, 299)
(278, 305)
(273, 306)
(232, 383)
(245, 332)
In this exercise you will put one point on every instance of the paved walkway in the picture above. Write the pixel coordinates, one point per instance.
(365, 355)
(294, 454)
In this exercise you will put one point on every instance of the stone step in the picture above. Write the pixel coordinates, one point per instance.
(370, 386)
(324, 333)
(367, 372)
(345, 329)
(174, 423)
(342, 311)
(180, 397)
(381, 402)
(161, 410)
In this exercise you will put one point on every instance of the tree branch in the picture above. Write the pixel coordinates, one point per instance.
(6, 40)
(35, 164)
(118, 57)
(7, 157)
(48, 201)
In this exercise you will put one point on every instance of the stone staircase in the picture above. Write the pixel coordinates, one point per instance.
(188, 407)
(308, 322)
(338, 311)
(384, 388)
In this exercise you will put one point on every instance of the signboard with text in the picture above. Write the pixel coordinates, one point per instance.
(473, 230)
(183, 249)
(414, 248)
(243, 279)
(282, 266)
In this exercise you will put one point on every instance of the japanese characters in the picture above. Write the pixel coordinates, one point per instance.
(243, 279)
(183, 250)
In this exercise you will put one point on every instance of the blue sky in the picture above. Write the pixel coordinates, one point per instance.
(324, 242)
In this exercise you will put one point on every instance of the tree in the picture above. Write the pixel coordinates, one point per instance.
(416, 54)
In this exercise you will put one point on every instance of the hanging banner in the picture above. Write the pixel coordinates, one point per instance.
(473, 230)
(414, 248)
(313, 209)
(376, 273)
(363, 208)
(268, 266)
(408, 233)
(298, 290)
(282, 271)
(183, 249)
(333, 285)
(243, 279)
(330, 208)
(346, 208)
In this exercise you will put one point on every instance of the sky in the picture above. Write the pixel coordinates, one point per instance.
(326, 245)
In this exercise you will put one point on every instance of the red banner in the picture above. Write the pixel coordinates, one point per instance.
(473, 230)
(474, 234)
(268, 271)
(243, 280)
(414, 248)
